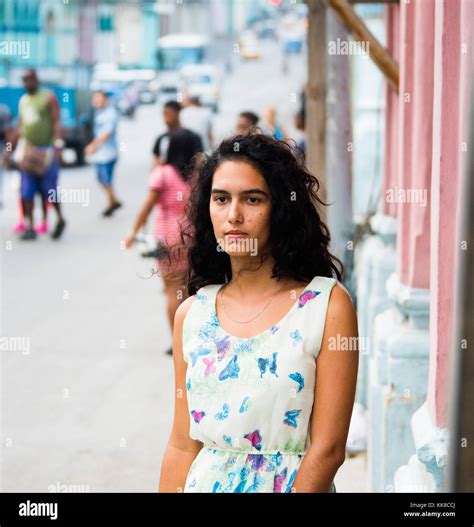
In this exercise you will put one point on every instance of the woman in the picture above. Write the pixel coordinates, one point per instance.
(168, 192)
(263, 395)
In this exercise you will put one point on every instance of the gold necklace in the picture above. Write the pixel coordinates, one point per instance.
(253, 318)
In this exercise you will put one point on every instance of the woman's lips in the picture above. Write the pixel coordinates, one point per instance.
(236, 235)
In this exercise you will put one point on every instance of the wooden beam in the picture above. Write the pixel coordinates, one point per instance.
(380, 55)
(316, 94)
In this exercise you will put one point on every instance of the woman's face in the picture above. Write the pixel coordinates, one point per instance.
(240, 201)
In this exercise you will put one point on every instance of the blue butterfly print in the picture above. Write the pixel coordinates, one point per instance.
(222, 347)
(188, 385)
(272, 365)
(228, 440)
(224, 414)
(201, 297)
(245, 405)
(256, 483)
(231, 371)
(277, 459)
(290, 418)
(208, 330)
(296, 336)
(199, 353)
(244, 347)
(298, 378)
(243, 481)
(216, 487)
(240, 487)
(274, 329)
(290, 481)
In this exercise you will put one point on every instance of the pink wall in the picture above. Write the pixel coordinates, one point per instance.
(405, 132)
(445, 179)
(425, 128)
(420, 111)
(392, 28)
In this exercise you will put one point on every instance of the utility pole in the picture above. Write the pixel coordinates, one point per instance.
(315, 122)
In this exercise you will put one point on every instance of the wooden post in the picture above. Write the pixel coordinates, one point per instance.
(316, 93)
(338, 141)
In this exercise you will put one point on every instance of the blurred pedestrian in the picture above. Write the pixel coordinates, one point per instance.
(180, 151)
(103, 150)
(169, 192)
(245, 122)
(38, 152)
(300, 136)
(5, 127)
(198, 119)
(270, 126)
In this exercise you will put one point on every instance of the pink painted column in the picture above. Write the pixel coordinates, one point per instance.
(445, 179)
(392, 28)
(417, 274)
(415, 140)
(407, 38)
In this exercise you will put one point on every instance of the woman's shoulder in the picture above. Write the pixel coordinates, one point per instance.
(201, 297)
(340, 305)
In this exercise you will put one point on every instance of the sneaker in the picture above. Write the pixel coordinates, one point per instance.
(112, 209)
(42, 228)
(19, 227)
(29, 234)
(58, 230)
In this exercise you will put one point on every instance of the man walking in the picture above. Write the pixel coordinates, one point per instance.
(103, 149)
(189, 142)
(41, 144)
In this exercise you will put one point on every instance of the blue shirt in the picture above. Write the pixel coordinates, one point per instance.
(106, 120)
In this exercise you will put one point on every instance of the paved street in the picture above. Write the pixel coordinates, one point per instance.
(88, 401)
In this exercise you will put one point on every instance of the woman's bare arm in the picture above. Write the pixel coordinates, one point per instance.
(336, 376)
(181, 449)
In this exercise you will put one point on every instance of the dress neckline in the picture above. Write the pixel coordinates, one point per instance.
(218, 287)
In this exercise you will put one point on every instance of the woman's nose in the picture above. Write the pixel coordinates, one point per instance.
(235, 213)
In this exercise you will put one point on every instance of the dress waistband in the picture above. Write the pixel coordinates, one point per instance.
(253, 453)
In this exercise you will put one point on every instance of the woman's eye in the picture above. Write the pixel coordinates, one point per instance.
(255, 200)
(218, 198)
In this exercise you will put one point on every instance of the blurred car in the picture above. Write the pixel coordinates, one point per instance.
(249, 46)
(174, 52)
(266, 29)
(131, 86)
(201, 80)
(146, 94)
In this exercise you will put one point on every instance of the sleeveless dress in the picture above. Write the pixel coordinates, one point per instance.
(250, 399)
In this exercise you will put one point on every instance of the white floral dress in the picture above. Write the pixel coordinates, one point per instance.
(250, 399)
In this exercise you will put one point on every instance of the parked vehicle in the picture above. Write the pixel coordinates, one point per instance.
(175, 51)
(129, 87)
(249, 46)
(201, 80)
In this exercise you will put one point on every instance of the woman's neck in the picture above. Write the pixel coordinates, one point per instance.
(251, 276)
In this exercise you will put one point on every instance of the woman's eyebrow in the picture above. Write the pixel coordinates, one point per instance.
(243, 193)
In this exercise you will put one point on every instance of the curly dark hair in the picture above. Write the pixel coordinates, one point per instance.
(299, 238)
